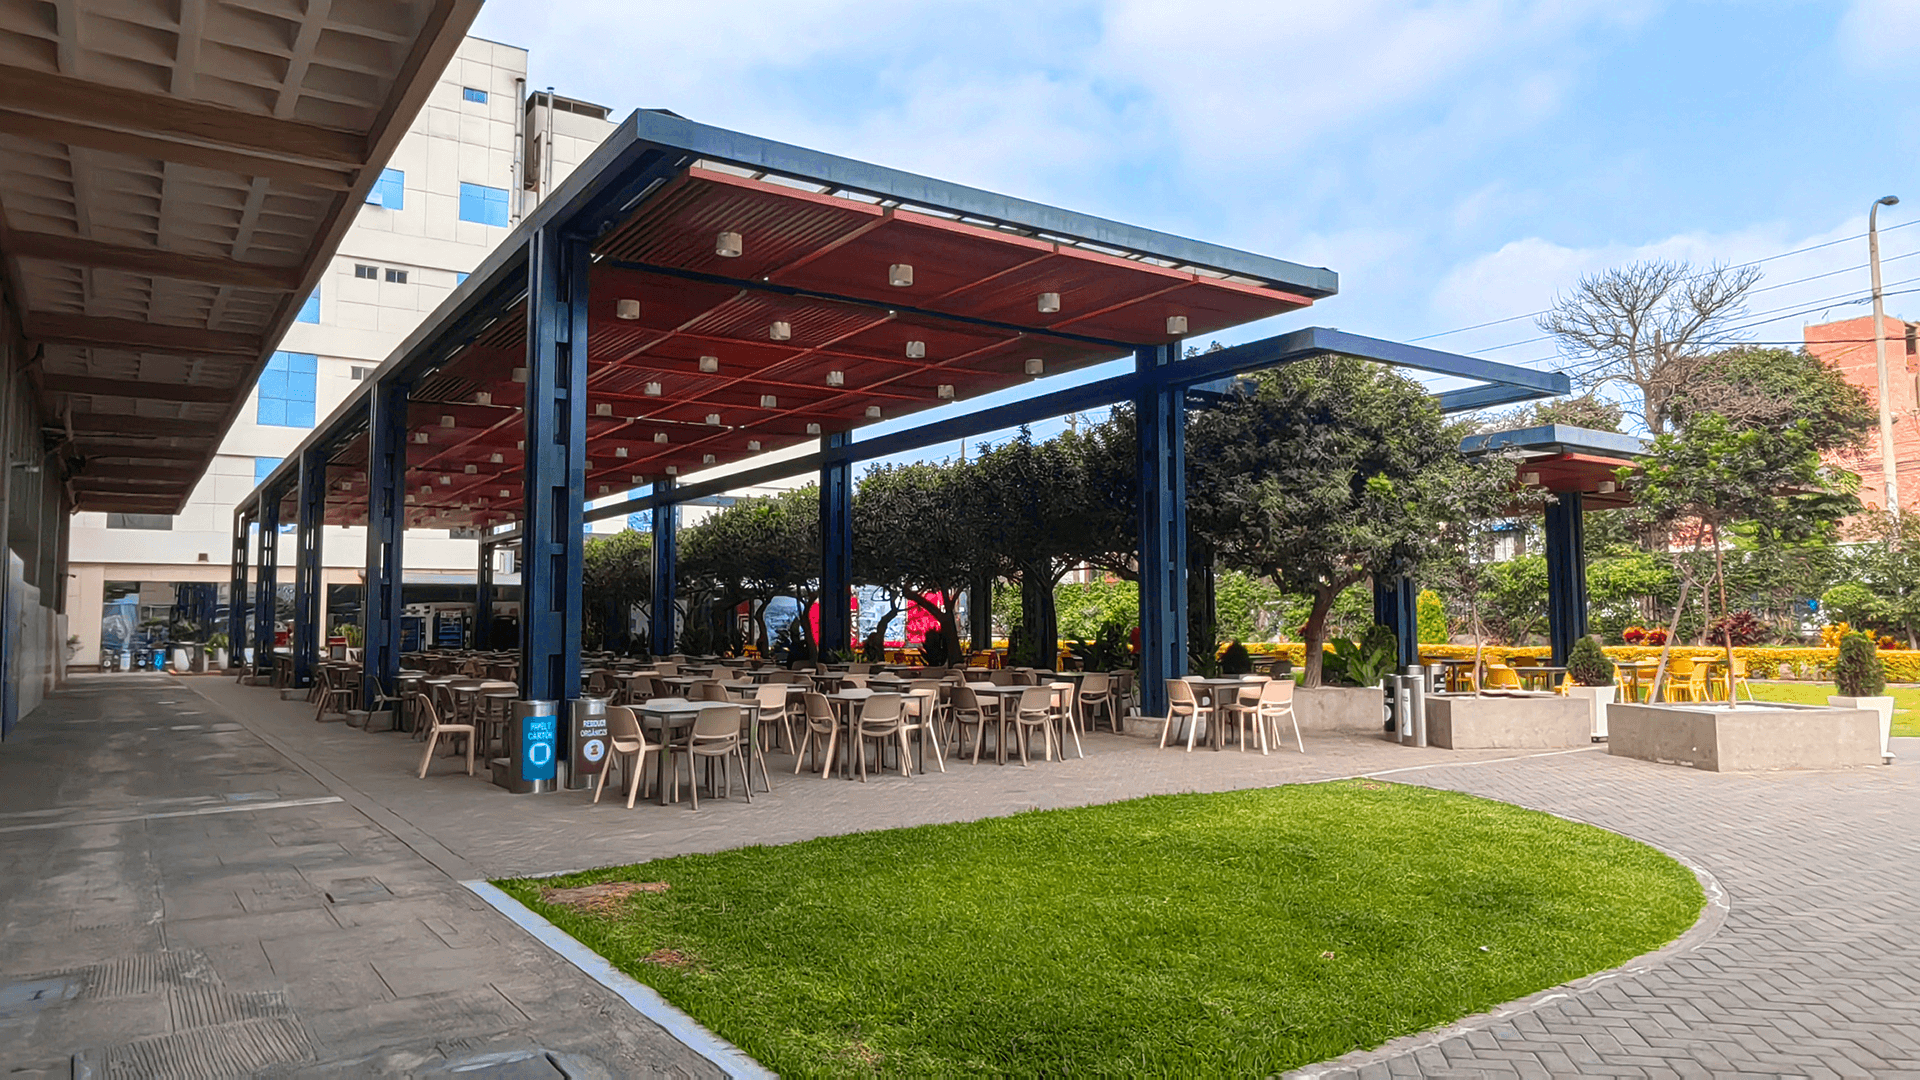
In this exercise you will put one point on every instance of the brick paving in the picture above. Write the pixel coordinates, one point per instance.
(1811, 972)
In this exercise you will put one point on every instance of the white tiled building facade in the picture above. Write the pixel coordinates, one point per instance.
(482, 153)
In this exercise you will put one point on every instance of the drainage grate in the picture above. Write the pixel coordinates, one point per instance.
(205, 1006)
(238, 1049)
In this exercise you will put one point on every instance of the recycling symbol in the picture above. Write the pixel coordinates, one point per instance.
(594, 749)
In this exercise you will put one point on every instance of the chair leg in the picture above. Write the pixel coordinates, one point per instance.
(833, 740)
(933, 739)
(639, 776)
(906, 756)
(601, 784)
(427, 758)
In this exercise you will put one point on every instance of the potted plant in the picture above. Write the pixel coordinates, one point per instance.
(217, 644)
(1590, 676)
(1862, 680)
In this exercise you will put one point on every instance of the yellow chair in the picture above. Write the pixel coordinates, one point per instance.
(1502, 677)
(1740, 677)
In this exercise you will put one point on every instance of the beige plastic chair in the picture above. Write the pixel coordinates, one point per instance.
(770, 701)
(1034, 710)
(821, 725)
(628, 746)
(1243, 712)
(435, 729)
(1276, 704)
(1096, 699)
(966, 710)
(882, 719)
(332, 693)
(1066, 717)
(716, 737)
(923, 712)
(1184, 706)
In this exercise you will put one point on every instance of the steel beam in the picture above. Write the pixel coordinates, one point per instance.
(836, 549)
(1396, 606)
(237, 590)
(483, 598)
(1161, 436)
(307, 582)
(386, 533)
(267, 594)
(666, 557)
(556, 429)
(1566, 574)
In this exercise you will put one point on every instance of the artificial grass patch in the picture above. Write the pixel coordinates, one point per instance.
(1906, 701)
(1245, 932)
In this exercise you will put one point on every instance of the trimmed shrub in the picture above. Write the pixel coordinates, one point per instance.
(1587, 665)
(1744, 626)
(1235, 661)
(1430, 617)
(1857, 670)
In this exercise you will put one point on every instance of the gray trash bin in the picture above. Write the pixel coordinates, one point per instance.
(533, 748)
(587, 741)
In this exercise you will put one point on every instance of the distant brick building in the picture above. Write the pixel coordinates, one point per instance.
(1848, 346)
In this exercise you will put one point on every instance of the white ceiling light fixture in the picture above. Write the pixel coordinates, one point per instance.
(780, 331)
(709, 364)
(619, 451)
(728, 245)
(626, 309)
(673, 470)
(1036, 366)
(836, 378)
(753, 444)
(471, 470)
(589, 464)
(916, 350)
(768, 401)
(873, 412)
(506, 493)
(652, 389)
(497, 459)
(446, 480)
(603, 409)
(900, 275)
(636, 478)
(519, 374)
(713, 419)
(409, 500)
(1530, 479)
(1608, 487)
(1049, 303)
(659, 436)
(1176, 324)
(606, 489)
(420, 436)
(447, 421)
(944, 391)
(813, 429)
(482, 398)
(520, 445)
(706, 459)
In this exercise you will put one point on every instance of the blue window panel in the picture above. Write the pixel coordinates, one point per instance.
(640, 520)
(390, 191)
(262, 466)
(483, 204)
(288, 390)
(478, 97)
(310, 311)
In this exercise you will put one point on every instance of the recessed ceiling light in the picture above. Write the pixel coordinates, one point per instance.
(445, 479)
(673, 470)
(471, 469)
(652, 389)
(780, 331)
(482, 398)
(709, 364)
(900, 275)
(626, 309)
(768, 401)
(446, 421)
(636, 478)
(1049, 303)
(659, 436)
(706, 459)
(727, 245)
(520, 445)
(944, 392)
(813, 429)
(497, 459)
(419, 436)
(873, 412)
(506, 493)
(619, 451)
(753, 444)
(1036, 366)
(603, 409)
(1176, 324)
(605, 489)
(916, 350)
(836, 378)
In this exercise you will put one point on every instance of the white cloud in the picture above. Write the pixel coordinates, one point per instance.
(1881, 35)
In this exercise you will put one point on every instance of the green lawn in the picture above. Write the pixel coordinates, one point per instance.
(1246, 932)
(1906, 701)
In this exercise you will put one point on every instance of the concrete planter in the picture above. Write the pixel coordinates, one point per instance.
(1508, 722)
(1881, 705)
(1341, 708)
(1597, 698)
(1749, 736)
(182, 661)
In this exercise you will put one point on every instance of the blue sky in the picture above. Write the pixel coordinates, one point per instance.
(1456, 161)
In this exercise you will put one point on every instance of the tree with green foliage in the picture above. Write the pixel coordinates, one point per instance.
(1430, 618)
(616, 574)
(1330, 471)
(1515, 591)
(1773, 388)
(916, 534)
(1858, 671)
(758, 548)
(1032, 511)
(1887, 563)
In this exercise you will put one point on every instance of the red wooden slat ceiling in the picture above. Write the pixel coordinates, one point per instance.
(644, 377)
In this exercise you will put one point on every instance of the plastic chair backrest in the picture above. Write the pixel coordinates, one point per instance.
(1036, 699)
(771, 696)
(881, 709)
(817, 706)
(717, 722)
(859, 669)
(1276, 692)
(964, 699)
(622, 725)
(1094, 685)
(1180, 696)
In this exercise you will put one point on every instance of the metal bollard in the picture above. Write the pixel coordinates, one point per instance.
(1417, 702)
(1403, 708)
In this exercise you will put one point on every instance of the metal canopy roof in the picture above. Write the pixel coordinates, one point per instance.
(1569, 459)
(801, 333)
(174, 176)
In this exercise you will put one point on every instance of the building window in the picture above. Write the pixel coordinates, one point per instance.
(360, 373)
(478, 97)
(287, 390)
(263, 467)
(310, 311)
(161, 522)
(396, 277)
(1913, 339)
(483, 204)
(390, 191)
(365, 272)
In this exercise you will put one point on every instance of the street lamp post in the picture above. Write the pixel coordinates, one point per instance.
(1888, 467)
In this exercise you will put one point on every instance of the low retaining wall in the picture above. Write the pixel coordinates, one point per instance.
(1769, 737)
(1508, 722)
(1341, 708)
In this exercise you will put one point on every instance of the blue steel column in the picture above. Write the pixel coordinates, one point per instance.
(386, 529)
(556, 419)
(266, 594)
(306, 567)
(1566, 574)
(483, 597)
(1162, 443)
(836, 549)
(1396, 606)
(666, 558)
(237, 591)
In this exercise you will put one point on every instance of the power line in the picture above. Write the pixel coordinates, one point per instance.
(1756, 262)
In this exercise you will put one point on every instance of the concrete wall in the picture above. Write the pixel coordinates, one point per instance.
(1746, 738)
(1340, 708)
(1534, 722)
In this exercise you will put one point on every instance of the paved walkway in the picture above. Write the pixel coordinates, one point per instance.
(342, 927)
